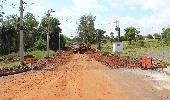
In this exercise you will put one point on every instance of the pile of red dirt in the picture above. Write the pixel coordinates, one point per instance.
(114, 61)
(15, 70)
(59, 59)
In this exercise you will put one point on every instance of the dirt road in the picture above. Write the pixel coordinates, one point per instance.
(82, 78)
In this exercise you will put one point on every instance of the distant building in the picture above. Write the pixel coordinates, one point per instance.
(156, 36)
(146, 38)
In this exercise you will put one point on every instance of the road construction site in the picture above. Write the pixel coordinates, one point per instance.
(69, 76)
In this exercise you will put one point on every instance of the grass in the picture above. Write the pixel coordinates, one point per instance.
(149, 49)
(10, 65)
(1, 58)
(38, 54)
(149, 45)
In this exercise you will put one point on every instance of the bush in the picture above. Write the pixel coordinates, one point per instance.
(140, 43)
(40, 45)
(10, 57)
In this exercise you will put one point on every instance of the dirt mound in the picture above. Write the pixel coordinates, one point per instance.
(60, 59)
(114, 61)
(78, 77)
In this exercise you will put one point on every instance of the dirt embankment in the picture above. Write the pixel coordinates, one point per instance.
(79, 77)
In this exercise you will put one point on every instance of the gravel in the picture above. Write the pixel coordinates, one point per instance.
(160, 80)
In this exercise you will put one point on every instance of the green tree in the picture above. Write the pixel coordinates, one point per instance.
(40, 45)
(54, 31)
(30, 30)
(86, 29)
(77, 39)
(67, 41)
(149, 36)
(166, 34)
(9, 35)
(122, 38)
(131, 33)
(139, 37)
(157, 36)
(112, 37)
(1, 13)
(99, 37)
(34, 33)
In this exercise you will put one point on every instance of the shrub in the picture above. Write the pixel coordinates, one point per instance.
(140, 43)
(40, 45)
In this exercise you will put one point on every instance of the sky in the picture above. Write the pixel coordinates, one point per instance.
(149, 16)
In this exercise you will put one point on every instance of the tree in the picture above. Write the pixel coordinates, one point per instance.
(62, 41)
(157, 36)
(122, 38)
(131, 33)
(166, 34)
(9, 35)
(86, 29)
(34, 33)
(107, 37)
(99, 37)
(30, 30)
(67, 40)
(139, 37)
(77, 39)
(149, 36)
(54, 31)
(112, 37)
(40, 45)
(1, 13)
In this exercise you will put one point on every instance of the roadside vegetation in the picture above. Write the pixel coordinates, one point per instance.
(34, 37)
(132, 40)
(12, 60)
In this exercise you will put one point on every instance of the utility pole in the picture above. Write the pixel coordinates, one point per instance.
(118, 46)
(98, 40)
(48, 15)
(118, 29)
(48, 43)
(21, 49)
(59, 43)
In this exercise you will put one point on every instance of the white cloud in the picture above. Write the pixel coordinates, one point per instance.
(156, 4)
(147, 23)
(136, 2)
(64, 12)
(87, 6)
(38, 8)
(147, 4)
(78, 8)
(68, 28)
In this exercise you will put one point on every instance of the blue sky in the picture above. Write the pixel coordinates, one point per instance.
(148, 15)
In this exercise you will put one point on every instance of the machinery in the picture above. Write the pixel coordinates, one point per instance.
(79, 48)
(82, 48)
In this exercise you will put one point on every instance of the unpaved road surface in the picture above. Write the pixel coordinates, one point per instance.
(82, 78)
